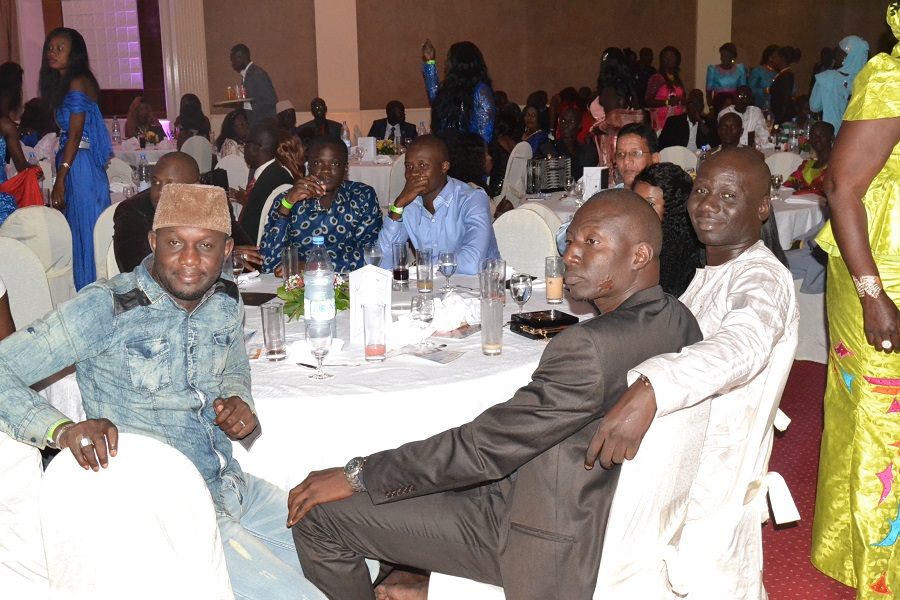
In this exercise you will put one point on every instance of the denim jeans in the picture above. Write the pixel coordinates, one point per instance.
(259, 548)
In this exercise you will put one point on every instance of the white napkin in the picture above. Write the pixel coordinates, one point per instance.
(803, 198)
(383, 159)
(406, 330)
(117, 187)
(453, 310)
(245, 277)
(130, 144)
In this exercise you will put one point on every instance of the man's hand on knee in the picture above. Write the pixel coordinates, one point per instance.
(319, 486)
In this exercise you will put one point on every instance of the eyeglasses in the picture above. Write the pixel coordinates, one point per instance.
(632, 154)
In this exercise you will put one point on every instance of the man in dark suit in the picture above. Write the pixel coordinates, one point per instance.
(505, 499)
(267, 174)
(394, 125)
(691, 129)
(257, 84)
(319, 124)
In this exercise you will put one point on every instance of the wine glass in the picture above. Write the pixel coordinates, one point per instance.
(358, 152)
(569, 186)
(520, 288)
(578, 190)
(447, 267)
(372, 254)
(422, 310)
(777, 180)
(318, 336)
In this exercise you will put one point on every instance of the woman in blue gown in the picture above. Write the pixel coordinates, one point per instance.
(464, 101)
(81, 190)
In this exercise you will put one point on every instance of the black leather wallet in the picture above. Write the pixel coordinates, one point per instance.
(542, 324)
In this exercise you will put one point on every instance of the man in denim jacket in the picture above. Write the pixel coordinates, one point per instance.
(160, 352)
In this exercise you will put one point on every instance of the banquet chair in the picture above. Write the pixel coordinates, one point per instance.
(398, 178)
(267, 208)
(516, 170)
(648, 511)
(783, 163)
(237, 169)
(103, 235)
(551, 218)
(26, 282)
(680, 156)
(112, 267)
(119, 171)
(46, 232)
(200, 148)
(144, 527)
(524, 240)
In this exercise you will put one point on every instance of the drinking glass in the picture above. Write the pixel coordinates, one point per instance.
(318, 336)
(520, 288)
(578, 192)
(358, 153)
(372, 254)
(554, 267)
(374, 331)
(127, 191)
(447, 267)
(422, 310)
(777, 180)
(497, 265)
(272, 314)
(568, 185)
(491, 326)
(237, 264)
(424, 274)
(290, 263)
(401, 268)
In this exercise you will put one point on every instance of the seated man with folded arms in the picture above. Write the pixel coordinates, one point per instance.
(133, 218)
(160, 352)
(349, 217)
(745, 303)
(437, 212)
(504, 499)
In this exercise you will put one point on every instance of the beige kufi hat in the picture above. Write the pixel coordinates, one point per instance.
(193, 205)
(283, 105)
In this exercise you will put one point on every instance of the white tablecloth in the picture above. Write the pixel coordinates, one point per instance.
(132, 157)
(310, 425)
(376, 175)
(795, 215)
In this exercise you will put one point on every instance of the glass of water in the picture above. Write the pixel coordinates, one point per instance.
(447, 267)
(318, 336)
(372, 254)
(520, 288)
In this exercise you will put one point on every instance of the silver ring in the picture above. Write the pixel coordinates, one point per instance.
(243, 424)
(244, 256)
(84, 441)
(887, 345)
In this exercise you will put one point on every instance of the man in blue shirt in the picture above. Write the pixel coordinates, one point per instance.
(438, 212)
(160, 352)
(348, 216)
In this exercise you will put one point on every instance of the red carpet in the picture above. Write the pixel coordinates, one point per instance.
(788, 574)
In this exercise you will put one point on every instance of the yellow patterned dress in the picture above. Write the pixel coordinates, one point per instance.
(857, 525)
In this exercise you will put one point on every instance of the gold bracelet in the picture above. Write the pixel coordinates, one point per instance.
(645, 380)
(867, 285)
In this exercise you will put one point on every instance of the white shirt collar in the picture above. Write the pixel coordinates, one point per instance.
(244, 72)
(261, 168)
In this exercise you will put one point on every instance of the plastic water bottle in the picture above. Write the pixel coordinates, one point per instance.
(143, 173)
(345, 134)
(421, 130)
(116, 131)
(704, 154)
(32, 159)
(318, 278)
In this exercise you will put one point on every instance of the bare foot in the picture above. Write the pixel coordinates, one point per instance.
(403, 585)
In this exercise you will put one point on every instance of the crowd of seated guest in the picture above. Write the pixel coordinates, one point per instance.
(235, 129)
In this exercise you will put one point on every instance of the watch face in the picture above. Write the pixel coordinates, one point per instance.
(353, 466)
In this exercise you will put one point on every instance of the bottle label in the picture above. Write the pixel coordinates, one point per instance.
(319, 310)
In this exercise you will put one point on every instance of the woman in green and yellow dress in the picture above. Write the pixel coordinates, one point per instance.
(857, 525)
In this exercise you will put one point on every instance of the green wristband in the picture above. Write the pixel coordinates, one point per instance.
(430, 62)
(396, 209)
(286, 204)
(55, 426)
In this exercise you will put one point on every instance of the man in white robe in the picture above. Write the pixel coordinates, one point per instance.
(745, 303)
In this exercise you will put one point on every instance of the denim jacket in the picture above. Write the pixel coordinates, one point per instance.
(142, 361)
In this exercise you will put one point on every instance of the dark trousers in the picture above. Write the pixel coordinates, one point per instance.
(456, 533)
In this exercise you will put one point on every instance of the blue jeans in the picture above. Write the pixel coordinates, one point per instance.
(259, 548)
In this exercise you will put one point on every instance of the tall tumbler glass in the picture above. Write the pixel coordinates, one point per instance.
(491, 326)
(554, 268)
(374, 328)
(401, 260)
(273, 330)
(424, 271)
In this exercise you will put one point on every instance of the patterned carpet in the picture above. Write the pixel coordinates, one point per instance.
(788, 574)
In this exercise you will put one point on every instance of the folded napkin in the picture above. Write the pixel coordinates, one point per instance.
(383, 159)
(804, 198)
(117, 187)
(406, 330)
(245, 277)
(130, 144)
(453, 310)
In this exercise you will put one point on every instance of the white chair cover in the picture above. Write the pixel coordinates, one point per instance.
(103, 235)
(551, 218)
(649, 509)
(46, 232)
(448, 587)
(145, 527)
(237, 170)
(119, 171)
(268, 207)
(813, 326)
(516, 172)
(783, 163)
(398, 179)
(680, 156)
(26, 283)
(112, 267)
(23, 569)
(525, 241)
(200, 148)
(47, 183)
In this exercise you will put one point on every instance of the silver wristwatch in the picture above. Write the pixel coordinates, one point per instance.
(353, 473)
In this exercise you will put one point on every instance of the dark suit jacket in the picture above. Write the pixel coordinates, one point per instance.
(676, 132)
(260, 88)
(332, 128)
(551, 530)
(379, 126)
(133, 220)
(273, 176)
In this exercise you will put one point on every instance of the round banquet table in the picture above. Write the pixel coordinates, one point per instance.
(310, 425)
(132, 157)
(795, 214)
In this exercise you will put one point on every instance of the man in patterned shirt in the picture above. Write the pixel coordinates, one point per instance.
(348, 216)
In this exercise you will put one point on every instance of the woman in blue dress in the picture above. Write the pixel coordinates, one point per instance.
(464, 101)
(81, 190)
(722, 80)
